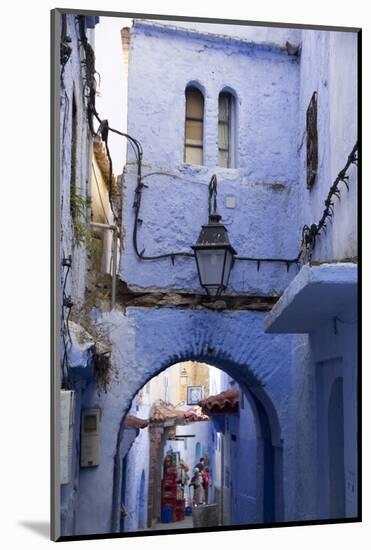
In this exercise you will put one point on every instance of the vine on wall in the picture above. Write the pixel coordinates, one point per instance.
(81, 228)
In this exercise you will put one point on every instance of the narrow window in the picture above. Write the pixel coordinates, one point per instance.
(193, 147)
(225, 129)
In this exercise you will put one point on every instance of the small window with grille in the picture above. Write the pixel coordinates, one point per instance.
(312, 141)
(193, 146)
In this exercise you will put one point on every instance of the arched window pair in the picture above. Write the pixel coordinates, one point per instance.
(194, 127)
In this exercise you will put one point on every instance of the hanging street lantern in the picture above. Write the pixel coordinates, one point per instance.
(213, 252)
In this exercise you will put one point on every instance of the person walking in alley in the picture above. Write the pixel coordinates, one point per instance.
(198, 490)
(201, 464)
(206, 460)
(206, 483)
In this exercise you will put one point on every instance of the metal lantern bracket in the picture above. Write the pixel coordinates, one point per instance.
(308, 234)
(212, 201)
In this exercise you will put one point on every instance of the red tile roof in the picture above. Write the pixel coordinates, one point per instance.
(224, 402)
(135, 422)
(161, 413)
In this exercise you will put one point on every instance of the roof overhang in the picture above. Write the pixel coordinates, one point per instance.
(224, 402)
(169, 415)
(134, 422)
(316, 295)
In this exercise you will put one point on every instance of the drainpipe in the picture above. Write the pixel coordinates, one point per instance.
(114, 230)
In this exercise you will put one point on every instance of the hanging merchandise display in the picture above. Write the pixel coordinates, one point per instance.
(174, 478)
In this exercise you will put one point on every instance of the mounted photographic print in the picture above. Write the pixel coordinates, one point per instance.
(205, 201)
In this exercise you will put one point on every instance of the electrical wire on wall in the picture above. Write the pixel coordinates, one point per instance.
(309, 233)
(90, 83)
(65, 55)
(66, 334)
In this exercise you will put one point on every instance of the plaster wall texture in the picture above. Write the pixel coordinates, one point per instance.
(263, 223)
(146, 341)
(337, 347)
(314, 374)
(240, 440)
(138, 462)
(134, 445)
(244, 466)
(172, 377)
(216, 377)
(72, 87)
(165, 386)
(328, 66)
(155, 389)
(265, 186)
(318, 293)
(264, 35)
(72, 90)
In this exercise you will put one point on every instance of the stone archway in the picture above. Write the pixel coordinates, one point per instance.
(147, 341)
(269, 475)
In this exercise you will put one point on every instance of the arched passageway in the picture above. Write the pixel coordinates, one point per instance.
(244, 451)
(146, 342)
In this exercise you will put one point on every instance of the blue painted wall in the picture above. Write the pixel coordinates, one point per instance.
(72, 89)
(137, 490)
(264, 182)
(245, 490)
(328, 65)
(145, 341)
(272, 203)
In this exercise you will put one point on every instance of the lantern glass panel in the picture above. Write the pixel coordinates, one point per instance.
(210, 264)
(227, 267)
